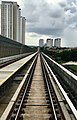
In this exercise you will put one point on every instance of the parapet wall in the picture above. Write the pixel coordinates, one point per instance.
(65, 74)
(10, 47)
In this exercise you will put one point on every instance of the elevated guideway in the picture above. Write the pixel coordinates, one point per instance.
(8, 71)
(7, 60)
(39, 96)
(66, 81)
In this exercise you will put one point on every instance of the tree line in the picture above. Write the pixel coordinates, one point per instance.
(66, 55)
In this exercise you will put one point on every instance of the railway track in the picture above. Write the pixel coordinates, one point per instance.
(65, 91)
(36, 98)
(12, 85)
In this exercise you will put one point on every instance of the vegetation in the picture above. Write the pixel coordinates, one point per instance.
(67, 55)
(49, 53)
(63, 56)
(73, 67)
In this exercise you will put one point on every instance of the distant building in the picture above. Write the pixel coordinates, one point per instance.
(22, 29)
(57, 42)
(49, 42)
(10, 20)
(41, 42)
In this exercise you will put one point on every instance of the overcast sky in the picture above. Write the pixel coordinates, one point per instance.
(50, 19)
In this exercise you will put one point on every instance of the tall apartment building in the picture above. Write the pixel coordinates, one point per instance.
(16, 21)
(57, 42)
(49, 42)
(22, 29)
(19, 22)
(7, 19)
(11, 20)
(41, 42)
(0, 19)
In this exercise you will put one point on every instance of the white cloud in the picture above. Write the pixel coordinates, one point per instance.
(50, 18)
(70, 35)
(32, 38)
(53, 18)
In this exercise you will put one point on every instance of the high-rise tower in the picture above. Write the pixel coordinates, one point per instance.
(49, 42)
(57, 42)
(11, 21)
(41, 42)
(7, 19)
(22, 29)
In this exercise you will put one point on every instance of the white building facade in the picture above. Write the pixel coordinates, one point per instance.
(0, 19)
(7, 19)
(57, 42)
(11, 21)
(22, 29)
(41, 42)
(49, 42)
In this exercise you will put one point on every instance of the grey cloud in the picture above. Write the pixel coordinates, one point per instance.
(51, 19)
(70, 1)
(46, 31)
(44, 18)
(35, 35)
(56, 12)
(70, 36)
(72, 8)
(63, 3)
(30, 12)
(71, 15)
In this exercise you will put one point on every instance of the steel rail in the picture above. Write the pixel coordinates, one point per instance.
(30, 73)
(43, 60)
(9, 109)
(74, 111)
